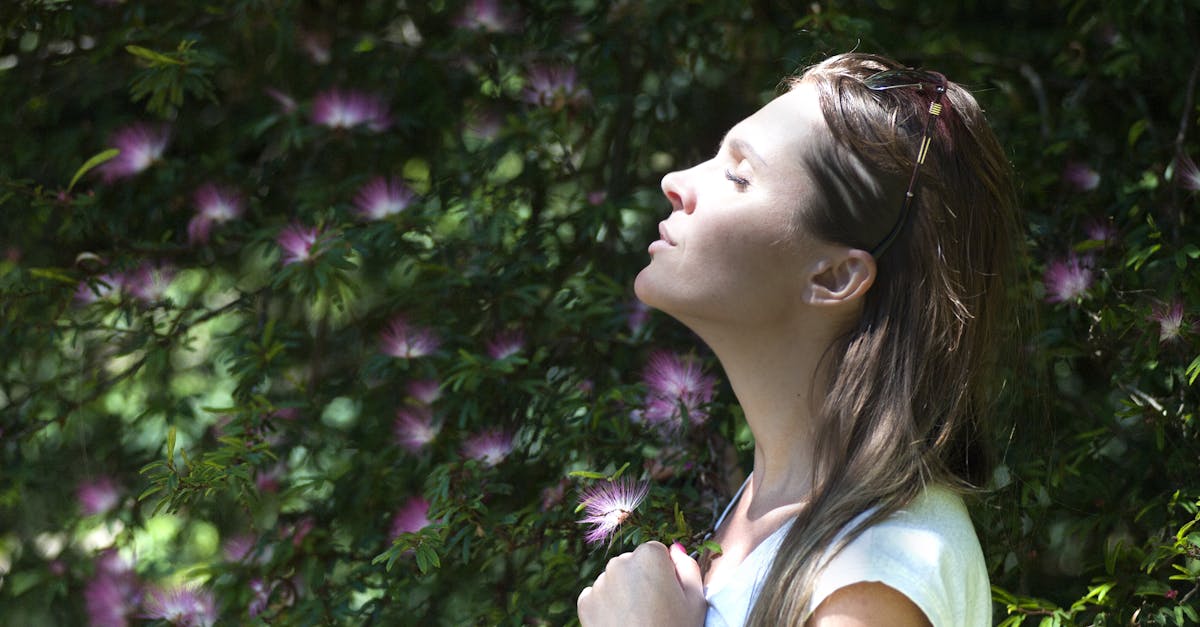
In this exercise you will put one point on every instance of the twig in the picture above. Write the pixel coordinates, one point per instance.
(1188, 102)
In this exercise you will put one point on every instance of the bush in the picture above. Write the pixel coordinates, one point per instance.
(342, 332)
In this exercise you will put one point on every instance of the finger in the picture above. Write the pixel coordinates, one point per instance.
(687, 570)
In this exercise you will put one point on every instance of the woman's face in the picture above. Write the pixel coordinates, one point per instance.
(730, 250)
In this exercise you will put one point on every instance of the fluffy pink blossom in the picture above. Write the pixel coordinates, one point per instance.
(260, 596)
(412, 517)
(297, 243)
(182, 605)
(424, 391)
(1067, 279)
(140, 144)
(97, 496)
(637, 315)
(149, 282)
(675, 385)
(407, 341)
(1187, 174)
(489, 447)
(347, 109)
(382, 197)
(414, 427)
(554, 87)
(106, 285)
(1171, 324)
(506, 344)
(215, 204)
(1081, 177)
(111, 596)
(486, 15)
(608, 504)
(1101, 230)
(286, 103)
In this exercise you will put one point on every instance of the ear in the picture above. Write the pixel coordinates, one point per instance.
(841, 277)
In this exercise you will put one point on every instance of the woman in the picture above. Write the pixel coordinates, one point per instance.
(846, 255)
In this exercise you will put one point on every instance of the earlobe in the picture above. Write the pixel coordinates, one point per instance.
(842, 278)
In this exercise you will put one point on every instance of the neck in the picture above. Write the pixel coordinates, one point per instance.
(778, 376)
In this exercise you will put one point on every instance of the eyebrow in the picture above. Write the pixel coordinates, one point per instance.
(744, 147)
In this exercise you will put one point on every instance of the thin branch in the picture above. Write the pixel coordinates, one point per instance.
(1188, 102)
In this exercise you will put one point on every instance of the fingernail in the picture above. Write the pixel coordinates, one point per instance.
(679, 547)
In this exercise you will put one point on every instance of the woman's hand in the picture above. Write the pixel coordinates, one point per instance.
(650, 586)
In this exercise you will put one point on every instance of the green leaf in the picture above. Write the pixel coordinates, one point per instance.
(151, 56)
(1193, 370)
(94, 161)
(587, 474)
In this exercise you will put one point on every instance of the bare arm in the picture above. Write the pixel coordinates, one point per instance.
(868, 604)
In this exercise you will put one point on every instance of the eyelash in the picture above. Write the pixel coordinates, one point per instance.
(742, 183)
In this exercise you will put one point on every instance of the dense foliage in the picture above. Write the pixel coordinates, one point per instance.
(318, 312)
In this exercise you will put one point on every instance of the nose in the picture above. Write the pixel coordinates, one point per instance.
(679, 192)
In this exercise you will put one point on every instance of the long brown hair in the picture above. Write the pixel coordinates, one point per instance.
(911, 385)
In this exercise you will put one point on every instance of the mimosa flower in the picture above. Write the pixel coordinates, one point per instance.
(489, 447)
(1100, 230)
(506, 344)
(297, 243)
(382, 197)
(1067, 279)
(554, 87)
(486, 15)
(1170, 321)
(609, 504)
(412, 517)
(414, 427)
(425, 391)
(111, 596)
(106, 285)
(403, 340)
(347, 109)
(1187, 174)
(149, 283)
(1081, 176)
(215, 204)
(97, 496)
(140, 144)
(675, 385)
(182, 605)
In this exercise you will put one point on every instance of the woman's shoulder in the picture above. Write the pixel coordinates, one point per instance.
(928, 551)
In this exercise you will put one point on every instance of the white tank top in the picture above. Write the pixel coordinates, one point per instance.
(927, 551)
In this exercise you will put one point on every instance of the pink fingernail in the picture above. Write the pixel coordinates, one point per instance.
(679, 547)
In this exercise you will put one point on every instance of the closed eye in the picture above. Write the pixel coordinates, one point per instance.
(741, 182)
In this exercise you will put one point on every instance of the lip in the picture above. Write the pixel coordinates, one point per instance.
(663, 235)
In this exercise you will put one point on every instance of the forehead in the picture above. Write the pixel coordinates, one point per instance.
(785, 126)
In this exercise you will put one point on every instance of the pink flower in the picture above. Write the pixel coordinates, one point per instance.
(97, 496)
(140, 144)
(237, 548)
(483, 124)
(489, 447)
(149, 283)
(1171, 327)
(597, 197)
(406, 341)
(553, 495)
(382, 197)
(609, 504)
(106, 285)
(1081, 177)
(347, 109)
(675, 385)
(506, 344)
(486, 15)
(414, 427)
(260, 596)
(182, 605)
(286, 103)
(637, 316)
(554, 87)
(425, 391)
(1100, 230)
(1067, 279)
(268, 480)
(1187, 174)
(215, 204)
(111, 596)
(412, 517)
(297, 243)
(317, 47)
